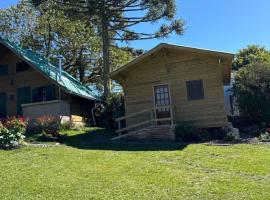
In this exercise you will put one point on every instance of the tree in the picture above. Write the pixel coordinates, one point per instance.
(46, 30)
(252, 91)
(253, 53)
(17, 21)
(115, 20)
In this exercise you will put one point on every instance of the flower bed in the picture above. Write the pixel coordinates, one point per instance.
(12, 131)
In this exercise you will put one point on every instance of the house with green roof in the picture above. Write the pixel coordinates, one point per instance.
(32, 87)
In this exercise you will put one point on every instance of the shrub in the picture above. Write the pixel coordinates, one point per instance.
(50, 125)
(187, 133)
(228, 134)
(264, 137)
(71, 126)
(252, 92)
(12, 132)
(65, 126)
(114, 108)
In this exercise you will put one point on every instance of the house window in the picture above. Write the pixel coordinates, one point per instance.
(3, 70)
(22, 66)
(195, 90)
(45, 93)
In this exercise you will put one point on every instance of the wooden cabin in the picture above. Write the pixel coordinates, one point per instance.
(32, 87)
(172, 84)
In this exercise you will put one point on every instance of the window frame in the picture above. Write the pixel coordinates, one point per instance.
(192, 98)
(24, 69)
(7, 70)
(42, 93)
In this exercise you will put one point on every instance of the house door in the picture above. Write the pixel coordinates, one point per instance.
(3, 105)
(23, 96)
(162, 100)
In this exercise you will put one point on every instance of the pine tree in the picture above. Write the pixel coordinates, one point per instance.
(116, 18)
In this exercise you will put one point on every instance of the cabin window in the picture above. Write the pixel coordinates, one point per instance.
(45, 93)
(3, 70)
(22, 66)
(195, 90)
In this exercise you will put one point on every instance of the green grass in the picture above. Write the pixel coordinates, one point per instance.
(90, 166)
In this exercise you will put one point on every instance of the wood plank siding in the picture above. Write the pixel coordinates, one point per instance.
(175, 68)
(12, 80)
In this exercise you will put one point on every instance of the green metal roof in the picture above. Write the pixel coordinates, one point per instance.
(38, 62)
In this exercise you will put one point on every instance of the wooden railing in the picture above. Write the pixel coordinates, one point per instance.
(153, 120)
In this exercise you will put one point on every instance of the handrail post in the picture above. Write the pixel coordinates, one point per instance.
(119, 127)
(171, 113)
(155, 115)
(151, 117)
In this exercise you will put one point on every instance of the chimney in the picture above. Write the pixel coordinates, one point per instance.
(60, 68)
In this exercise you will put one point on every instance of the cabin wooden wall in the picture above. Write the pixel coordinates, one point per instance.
(175, 68)
(9, 83)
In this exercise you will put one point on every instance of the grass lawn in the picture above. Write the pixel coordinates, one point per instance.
(89, 166)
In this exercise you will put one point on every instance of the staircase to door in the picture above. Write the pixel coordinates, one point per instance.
(157, 123)
(156, 127)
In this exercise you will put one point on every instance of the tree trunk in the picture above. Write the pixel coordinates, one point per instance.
(81, 73)
(49, 41)
(106, 56)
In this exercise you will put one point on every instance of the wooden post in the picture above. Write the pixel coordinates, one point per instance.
(151, 117)
(119, 127)
(171, 113)
(155, 115)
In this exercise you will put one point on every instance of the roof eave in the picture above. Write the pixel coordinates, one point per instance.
(47, 77)
(114, 74)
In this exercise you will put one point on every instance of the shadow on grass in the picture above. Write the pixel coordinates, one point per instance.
(100, 139)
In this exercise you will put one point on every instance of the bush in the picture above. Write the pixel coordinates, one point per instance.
(252, 92)
(114, 108)
(71, 126)
(264, 137)
(185, 132)
(12, 132)
(50, 125)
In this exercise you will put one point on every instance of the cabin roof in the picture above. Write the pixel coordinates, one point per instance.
(170, 46)
(68, 83)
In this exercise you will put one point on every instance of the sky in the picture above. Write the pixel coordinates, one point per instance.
(224, 25)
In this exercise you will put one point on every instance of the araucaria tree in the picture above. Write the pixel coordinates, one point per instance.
(116, 20)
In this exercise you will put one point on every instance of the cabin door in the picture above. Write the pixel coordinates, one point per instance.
(3, 105)
(162, 103)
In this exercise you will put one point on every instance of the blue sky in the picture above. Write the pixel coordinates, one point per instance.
(225, 25)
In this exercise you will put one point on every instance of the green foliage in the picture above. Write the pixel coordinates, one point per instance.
(230, 136)
(69, 125)
(264, 137)
(186, 132)
(114, 21)
(12, 132)
(251, 54)
(114, 108)
(50, 125)
(252, 91)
